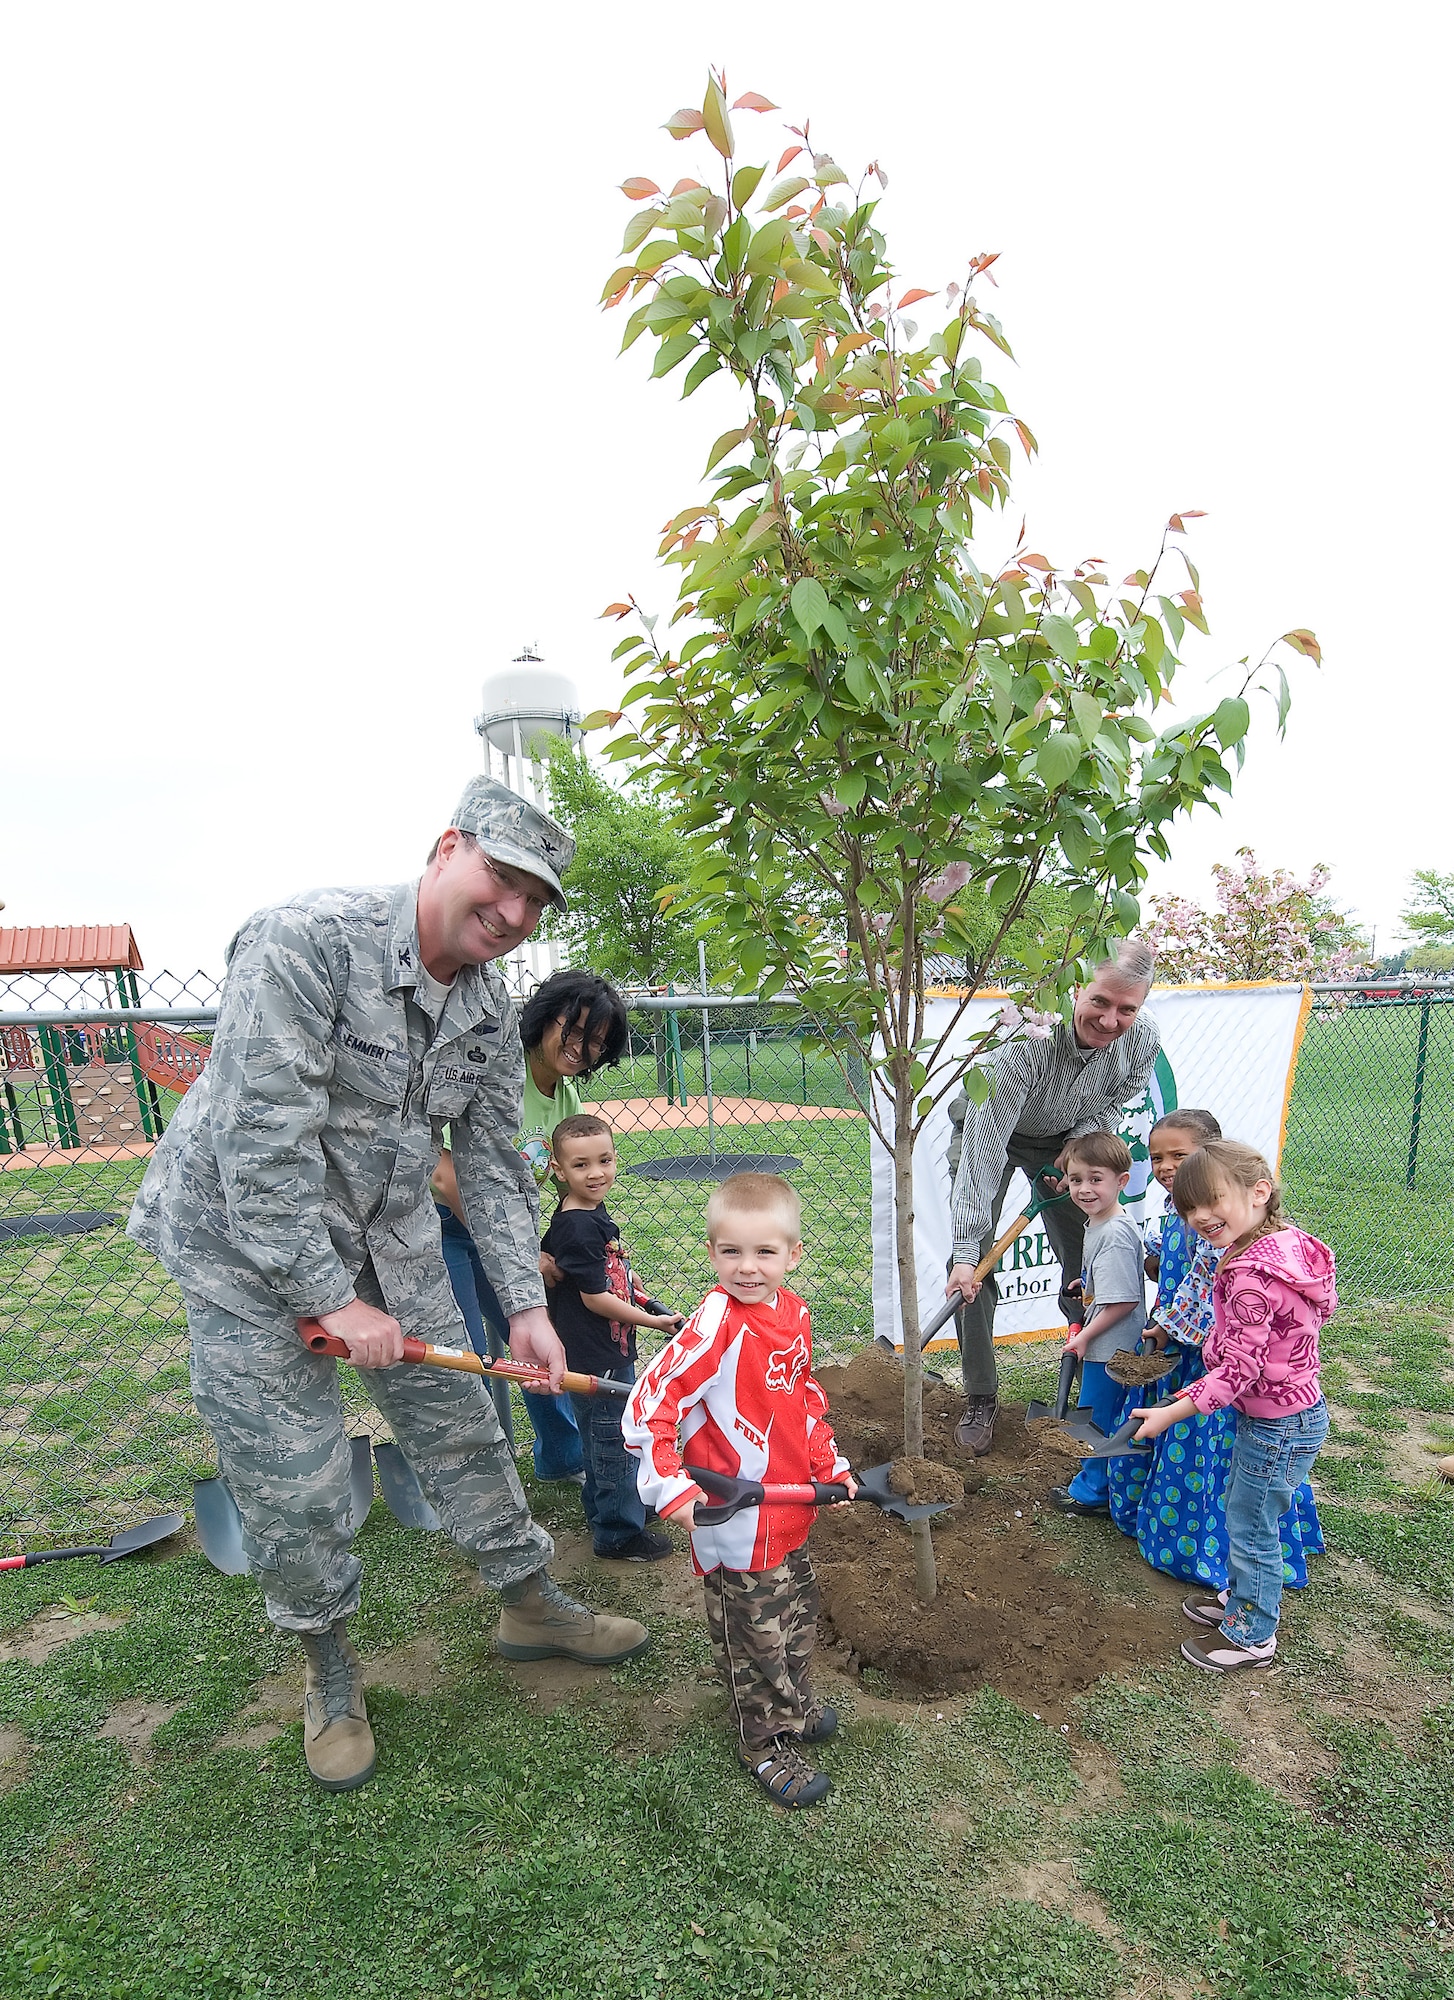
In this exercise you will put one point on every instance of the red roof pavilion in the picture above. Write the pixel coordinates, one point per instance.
(68, 948)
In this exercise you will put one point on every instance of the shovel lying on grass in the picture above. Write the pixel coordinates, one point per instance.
(219, 1524)
(730, 1495)
(142, 1536)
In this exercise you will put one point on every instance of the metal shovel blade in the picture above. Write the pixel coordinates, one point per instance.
(1069, 1369)
(361, 1480)
(142, 1536)
(403, 1495)
(1119, 1444)
(219, 1526)
(873, 1485)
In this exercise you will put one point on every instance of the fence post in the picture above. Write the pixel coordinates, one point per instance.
(53, 1050)
(1420, 1061)
(707, 1055)
(150, 1127)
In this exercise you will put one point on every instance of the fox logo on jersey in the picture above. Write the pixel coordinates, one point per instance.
(785, 1365)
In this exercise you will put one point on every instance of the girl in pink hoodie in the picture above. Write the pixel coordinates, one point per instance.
(1272, 1293)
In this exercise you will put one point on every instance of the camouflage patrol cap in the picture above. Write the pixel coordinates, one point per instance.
(511, 830)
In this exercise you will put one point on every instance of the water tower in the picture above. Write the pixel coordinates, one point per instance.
(524, 710)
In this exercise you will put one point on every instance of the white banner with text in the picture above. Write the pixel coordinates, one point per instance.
(1230, 1050)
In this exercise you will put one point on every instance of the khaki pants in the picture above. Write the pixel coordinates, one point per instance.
(1064, 1225)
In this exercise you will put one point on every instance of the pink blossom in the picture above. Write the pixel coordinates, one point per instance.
(950, 879)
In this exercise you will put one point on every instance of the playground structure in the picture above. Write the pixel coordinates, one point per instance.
(88, 1087)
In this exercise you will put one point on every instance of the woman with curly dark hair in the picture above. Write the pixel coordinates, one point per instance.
(572, 1025)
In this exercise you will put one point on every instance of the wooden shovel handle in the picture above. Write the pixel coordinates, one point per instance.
(317, 1341)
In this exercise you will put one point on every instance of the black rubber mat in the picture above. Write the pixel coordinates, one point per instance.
(705, 1167)
(79, 1222)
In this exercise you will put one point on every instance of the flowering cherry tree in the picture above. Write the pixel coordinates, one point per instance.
(1267, 925)
(844, 693)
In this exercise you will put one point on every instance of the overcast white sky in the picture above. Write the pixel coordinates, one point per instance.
(309, 419)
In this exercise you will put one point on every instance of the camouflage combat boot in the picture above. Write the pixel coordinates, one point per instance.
(539, 1622)
(337, 1740)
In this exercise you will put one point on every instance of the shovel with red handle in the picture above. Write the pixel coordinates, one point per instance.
(318, 1342)
(730, 1495)
(127, 1543)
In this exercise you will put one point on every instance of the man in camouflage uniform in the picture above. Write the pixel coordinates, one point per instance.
(293, 1183)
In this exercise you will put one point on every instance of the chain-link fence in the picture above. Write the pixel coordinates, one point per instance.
(95, 1415)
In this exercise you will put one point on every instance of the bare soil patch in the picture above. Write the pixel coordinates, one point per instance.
(1004, 1613)
(14, 1759)
(134, 1724)
(48, 1631)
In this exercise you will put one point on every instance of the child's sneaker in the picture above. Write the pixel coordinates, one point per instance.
(787, 1776)
(1221, 1655)
(1205, 1610)
(642, 1548)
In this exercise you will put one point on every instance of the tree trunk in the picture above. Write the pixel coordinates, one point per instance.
(926, 1580)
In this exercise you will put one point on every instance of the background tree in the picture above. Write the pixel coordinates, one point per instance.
(1267, 925)
(852, 695)
(622, 921)
(1428, 916)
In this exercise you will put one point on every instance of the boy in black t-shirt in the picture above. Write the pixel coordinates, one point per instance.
(596, 1308)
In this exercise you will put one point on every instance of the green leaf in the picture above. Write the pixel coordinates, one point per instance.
(765, 252)
(859, 677)
(1231, 721)
(784, 192)
(1057, 758)
(849, 788)
(1088, 715)
(728, 441)
(673, 351)
(744, 184)
(810, 604)
(977, 1086)
(707, 364)
(1062, 638)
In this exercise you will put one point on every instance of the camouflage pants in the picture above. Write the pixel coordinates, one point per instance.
(763, 1624)
(276, 1414)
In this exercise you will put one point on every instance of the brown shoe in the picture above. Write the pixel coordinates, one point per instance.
(337, 1740)
(975, 1431)
(542, 1623)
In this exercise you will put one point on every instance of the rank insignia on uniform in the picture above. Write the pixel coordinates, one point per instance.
(479, 1055)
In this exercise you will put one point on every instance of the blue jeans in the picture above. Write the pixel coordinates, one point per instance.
(1100, 1395)
(613, 1507)
(1271, 1458)
(557, 1441)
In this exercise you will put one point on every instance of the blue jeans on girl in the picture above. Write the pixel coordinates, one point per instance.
(557, 1441)
(1271, 1458)
(613, 1507)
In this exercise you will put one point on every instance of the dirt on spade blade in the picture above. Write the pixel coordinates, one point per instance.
(1004, 1613)
(921, 1482)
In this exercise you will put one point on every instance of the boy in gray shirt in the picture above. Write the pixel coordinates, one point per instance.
(1097, 1167)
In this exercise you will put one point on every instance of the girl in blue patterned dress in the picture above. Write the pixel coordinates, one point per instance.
(1180, 1519)
(1170, 1246)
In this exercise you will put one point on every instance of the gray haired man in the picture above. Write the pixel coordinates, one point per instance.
(1043, 1093)
(294, 1183)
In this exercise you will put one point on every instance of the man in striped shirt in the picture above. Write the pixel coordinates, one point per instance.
(1044, 1093)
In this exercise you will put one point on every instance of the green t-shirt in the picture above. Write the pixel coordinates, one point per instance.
(539, 1118)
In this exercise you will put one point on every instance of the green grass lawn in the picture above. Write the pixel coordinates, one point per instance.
(541, 1833)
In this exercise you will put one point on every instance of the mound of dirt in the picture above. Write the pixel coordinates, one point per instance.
(1004, 1613)
(921, 1482)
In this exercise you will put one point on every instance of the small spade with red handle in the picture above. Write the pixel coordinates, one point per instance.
(127, 1543)
(730, 1496)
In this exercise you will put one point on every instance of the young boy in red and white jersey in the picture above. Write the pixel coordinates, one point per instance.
(736, 1387)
